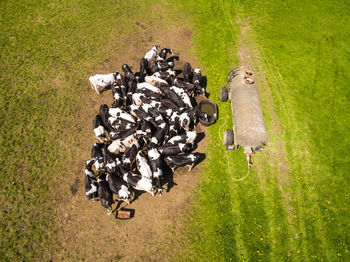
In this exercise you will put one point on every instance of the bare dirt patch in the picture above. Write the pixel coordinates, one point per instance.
(86, 232)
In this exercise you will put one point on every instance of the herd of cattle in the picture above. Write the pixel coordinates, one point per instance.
(150, 123)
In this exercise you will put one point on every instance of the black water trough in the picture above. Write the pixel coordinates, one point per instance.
(211, 109)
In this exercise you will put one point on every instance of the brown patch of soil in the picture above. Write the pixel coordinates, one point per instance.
(86, 232)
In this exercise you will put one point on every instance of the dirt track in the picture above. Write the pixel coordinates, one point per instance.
(86, 232)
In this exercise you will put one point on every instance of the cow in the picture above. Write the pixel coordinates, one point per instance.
(197, 81)
(143, 165)
(138, 182)
(148, 86)
(158, 137)
(102, 81)
(104, 193)
(110, 161)
(187, 73)
(127, 72)
(154, 78)
(183, 95)
(144, 68)
(181, 161)
(121, 81)
(119, 113)
(162, 66)
(188, 137)
(90, 181)
(139, 112)
(170, 150)
(117, 95)
(130, 153)
(151, 54)
(119, 145)
(163, 53)
(118, 187)
(120, 123)
(99, 130)
(97, 156)
(156, 163)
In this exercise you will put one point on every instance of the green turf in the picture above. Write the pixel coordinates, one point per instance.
(301, 214)
(49, 47)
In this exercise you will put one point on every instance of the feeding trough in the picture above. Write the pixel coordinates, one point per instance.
(211, 109)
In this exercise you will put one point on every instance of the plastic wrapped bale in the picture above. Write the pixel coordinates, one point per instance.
(248, 121)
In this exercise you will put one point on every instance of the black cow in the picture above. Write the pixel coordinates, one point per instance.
(187, 72)
(104, 193)
(170, 150)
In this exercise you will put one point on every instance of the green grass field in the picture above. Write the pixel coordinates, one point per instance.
(294, 206)
(295, 209)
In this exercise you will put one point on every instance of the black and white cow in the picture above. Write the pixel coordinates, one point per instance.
(140, 113)
(102, 81)
(90, 181)
(110, 161)
(130, 154)
(175, 98)
(188, 137)
(162, 108)
(151, 54)
(158, 137)
(165, 75)
(156, 163)
(143, 166)
(127, 72)
(197, 81)
(183, 95)
(99, 130)
(170, 150)
(118, 187)
(119, 145)
(132, 85)
(154, 79)
(188, 87)
(97, 156)
(163, 53)
(120, 124)
(181, 161)
(121, 81)
(162, 66)
(117, 95)
(145, 85)
(104, 193)
(137, 181)
(120, 113)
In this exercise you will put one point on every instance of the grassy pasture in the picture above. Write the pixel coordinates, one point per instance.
(294, 206)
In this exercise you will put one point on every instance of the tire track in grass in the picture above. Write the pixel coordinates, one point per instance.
(254, 232)
(279, 208)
